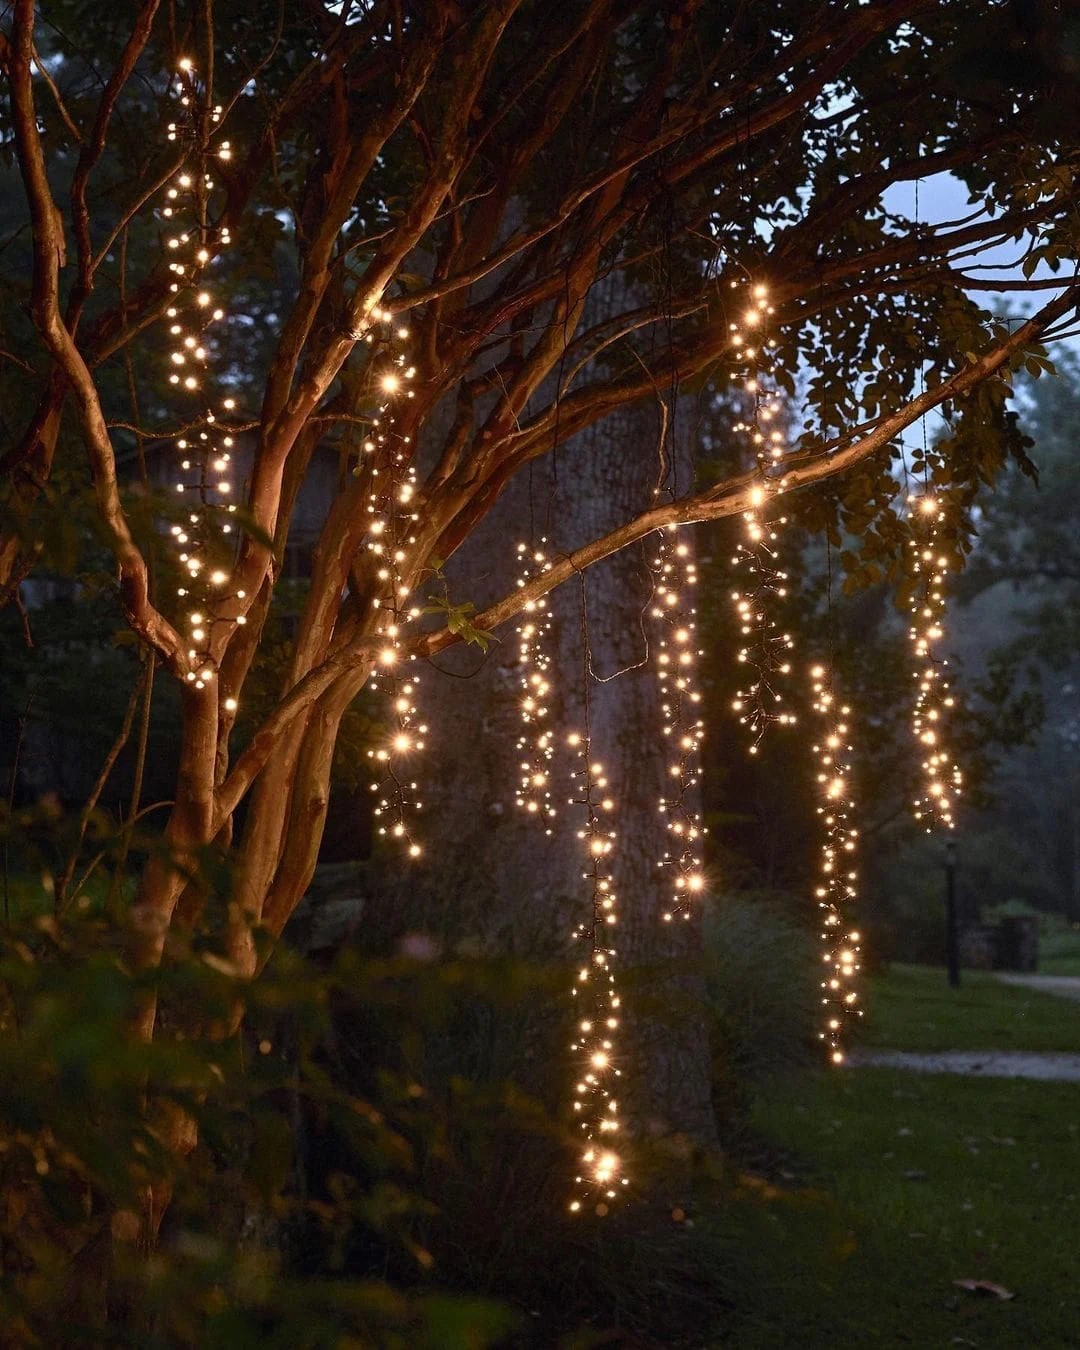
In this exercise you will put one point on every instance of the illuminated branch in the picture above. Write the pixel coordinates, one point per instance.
(736, 495)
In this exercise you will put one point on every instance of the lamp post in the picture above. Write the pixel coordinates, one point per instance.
(952, 927)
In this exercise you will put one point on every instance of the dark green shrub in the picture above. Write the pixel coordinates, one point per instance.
(250, 1251)
(763, 985)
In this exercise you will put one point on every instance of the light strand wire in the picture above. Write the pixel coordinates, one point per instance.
(765, 650)
(598, 1005)
(204, 531)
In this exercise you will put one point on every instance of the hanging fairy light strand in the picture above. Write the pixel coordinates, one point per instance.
(942, 780)
(765, 649)
(387, 463)
(203, 535)
(674, 578)
(836, 889)
(597, 1002)
(536, 744)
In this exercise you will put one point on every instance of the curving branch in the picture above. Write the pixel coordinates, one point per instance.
(92, 150)
(736, 495)
(48, 238)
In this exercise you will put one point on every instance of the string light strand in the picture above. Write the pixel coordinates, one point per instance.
(942, 780)
(765, 650)
(536, 744)
(836, 889)
(203, 532)
(674, 578)
(386, 461)
(597, 1002)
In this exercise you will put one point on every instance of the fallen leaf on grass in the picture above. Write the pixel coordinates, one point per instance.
(759, 1187)
(985, 1288)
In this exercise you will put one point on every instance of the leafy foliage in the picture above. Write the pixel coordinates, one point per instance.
(253, 1246)
(763, 995)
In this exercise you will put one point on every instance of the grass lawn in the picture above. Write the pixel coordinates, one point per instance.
(913, 1008)
(919, 1181)
(1059, 949)
(898, 1184)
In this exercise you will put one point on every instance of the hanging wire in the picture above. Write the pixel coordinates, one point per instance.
(598, 1004)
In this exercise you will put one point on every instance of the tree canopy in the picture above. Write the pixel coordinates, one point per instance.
(426, 246)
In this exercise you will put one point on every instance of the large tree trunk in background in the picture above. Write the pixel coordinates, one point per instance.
(492, 879)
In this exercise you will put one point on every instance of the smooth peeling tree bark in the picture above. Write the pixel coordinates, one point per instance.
(664, 1039)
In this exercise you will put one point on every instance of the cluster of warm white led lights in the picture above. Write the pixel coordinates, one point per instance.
(203, 534)
(765, 649)
(536, 744)
(942, 779)
(597, 1002)
(836, 889)
(676, 654)
(386, 464)
(766, 655)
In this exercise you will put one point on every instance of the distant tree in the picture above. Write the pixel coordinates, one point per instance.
(1024, 587)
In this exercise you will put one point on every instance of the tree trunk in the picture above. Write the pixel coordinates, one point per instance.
(492, 880)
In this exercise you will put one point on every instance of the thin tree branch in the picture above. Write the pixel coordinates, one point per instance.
(108, 764)
(61, 106)
(48, 233)
(92, 151)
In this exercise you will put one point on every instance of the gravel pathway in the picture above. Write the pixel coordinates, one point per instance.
(1067, 986)
(1049, 1067)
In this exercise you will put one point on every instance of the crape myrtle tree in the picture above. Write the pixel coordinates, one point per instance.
(555, 204)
